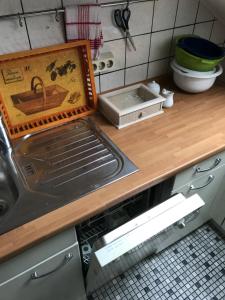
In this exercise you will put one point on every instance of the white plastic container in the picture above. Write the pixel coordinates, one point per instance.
(193, 82)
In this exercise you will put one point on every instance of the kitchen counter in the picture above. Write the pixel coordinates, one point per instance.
(192, 130)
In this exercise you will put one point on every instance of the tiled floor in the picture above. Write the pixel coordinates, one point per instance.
(191, 269)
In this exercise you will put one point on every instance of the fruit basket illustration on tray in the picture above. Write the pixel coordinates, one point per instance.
(46, 87)
(39, 98)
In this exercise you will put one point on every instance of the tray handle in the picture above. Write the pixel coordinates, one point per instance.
(39, 83)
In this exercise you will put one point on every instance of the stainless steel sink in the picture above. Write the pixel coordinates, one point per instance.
(8, 190)
(54, 167)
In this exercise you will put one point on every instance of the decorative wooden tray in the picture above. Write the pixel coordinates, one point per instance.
(44, 87)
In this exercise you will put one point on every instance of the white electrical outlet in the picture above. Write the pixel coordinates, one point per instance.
(104, 63)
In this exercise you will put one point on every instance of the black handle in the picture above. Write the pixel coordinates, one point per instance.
(119, 19)
(126, 17)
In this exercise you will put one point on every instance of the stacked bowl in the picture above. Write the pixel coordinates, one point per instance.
(196, 63)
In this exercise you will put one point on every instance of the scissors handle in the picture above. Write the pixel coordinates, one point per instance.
(126, 17)
(119, 19)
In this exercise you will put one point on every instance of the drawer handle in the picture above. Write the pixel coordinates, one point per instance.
(67, 259)
(193, 188)
(215, 164)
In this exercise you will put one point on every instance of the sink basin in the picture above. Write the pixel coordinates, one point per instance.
(57, 166)
(8, 190)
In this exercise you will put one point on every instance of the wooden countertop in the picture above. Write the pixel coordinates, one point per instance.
(192, 130)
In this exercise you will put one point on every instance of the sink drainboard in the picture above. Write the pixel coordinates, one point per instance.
(70, 160)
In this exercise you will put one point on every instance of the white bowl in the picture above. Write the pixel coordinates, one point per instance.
(192, 82)
(185, 70)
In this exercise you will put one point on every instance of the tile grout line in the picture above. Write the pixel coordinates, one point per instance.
(25, 22)
(196, 16)
(174, 26)
(150, 38)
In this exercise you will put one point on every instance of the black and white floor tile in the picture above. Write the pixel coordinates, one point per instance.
(191, 269)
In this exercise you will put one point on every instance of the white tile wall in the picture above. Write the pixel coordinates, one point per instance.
(10, 7)
(203, 29)
(164, 14)
(45, 30)
(204, 14)
(112, 80)
(140, 56)
(135, 74)
(160, 44)
(153, 25)
(187, 12)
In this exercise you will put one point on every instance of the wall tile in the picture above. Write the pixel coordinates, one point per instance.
(135, 74)
(161, 44)
(164, 14)
(13, 38)
(97, 85)
(45, 31)
(112, 80)
(141, 18)
(74, 2)
(8, 7)
(218, 33)
(204, 14)
(140, 56)
(117, 47)
(180, 31)
(186, 13)
(158, 68)
(110, 30)
(203, 29)
(29, 5)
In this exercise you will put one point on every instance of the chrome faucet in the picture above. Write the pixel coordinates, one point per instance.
(4, 139)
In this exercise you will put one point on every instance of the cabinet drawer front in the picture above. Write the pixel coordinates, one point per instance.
(206, 188)
(139, 115)
(36, 254)
(200, 169)
(59, 280)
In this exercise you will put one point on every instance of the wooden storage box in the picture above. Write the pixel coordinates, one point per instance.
(129, 105)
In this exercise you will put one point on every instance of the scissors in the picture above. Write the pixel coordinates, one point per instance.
(122, 17)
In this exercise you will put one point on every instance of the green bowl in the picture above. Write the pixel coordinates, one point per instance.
(192, 62)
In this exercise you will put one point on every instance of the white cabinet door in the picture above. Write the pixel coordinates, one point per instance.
(58, 277)
(208, 187)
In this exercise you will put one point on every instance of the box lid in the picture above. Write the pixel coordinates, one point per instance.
(44, 87)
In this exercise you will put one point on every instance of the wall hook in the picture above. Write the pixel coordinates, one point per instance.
(57, 17)
(20, 20)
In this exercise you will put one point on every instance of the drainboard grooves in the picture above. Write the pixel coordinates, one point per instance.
(48, 140)
(84, 165)
(60, 158)
(61, 164)
(63, 146)
(72, 177)
(79, 148)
